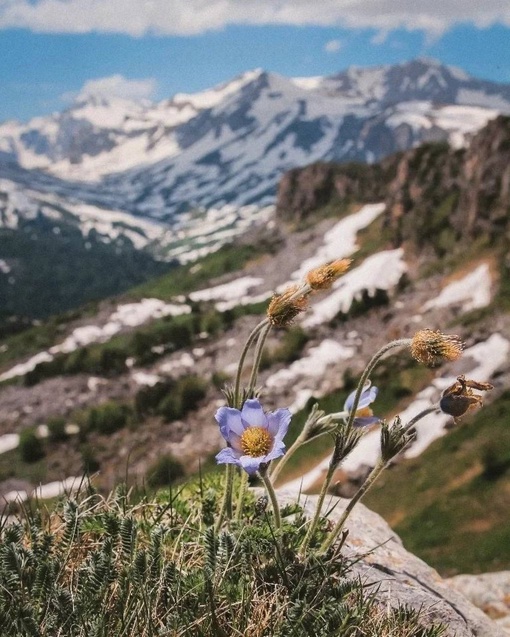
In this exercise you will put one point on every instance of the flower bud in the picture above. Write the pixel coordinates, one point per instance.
(459, 398)
(283, 308)
(322, 278)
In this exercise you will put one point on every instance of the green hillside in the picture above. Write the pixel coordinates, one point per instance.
(450, 505)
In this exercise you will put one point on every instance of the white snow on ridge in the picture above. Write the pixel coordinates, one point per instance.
(479, 98)
(471, 291)
(457, 121)
(381, 271)
(341, 240)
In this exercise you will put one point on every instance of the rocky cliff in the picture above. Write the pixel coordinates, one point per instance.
(435, 196)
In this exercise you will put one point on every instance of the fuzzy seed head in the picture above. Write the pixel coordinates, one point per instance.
(283, 308)
(322, 278)
(432, 347)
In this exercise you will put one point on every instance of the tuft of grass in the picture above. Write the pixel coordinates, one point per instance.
(132, 565)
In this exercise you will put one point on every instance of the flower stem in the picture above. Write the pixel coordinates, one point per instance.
(226, 503)
(240, 495)
(372, 477)
(251, 338)
(272, 496)
(301, 439)
(258, 356)
(368, 370)
(359, 390)
(320, 501)
(422, 414)
(333, 464)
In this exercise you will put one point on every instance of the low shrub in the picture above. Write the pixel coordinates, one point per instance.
(31, 447)
(165, 471)
(56, 429)
(108, 417)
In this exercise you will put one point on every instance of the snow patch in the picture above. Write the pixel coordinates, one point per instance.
(341, 240)
(470, 292)
(381, 271)
(145, 378)
(308, 369)
(127, 315)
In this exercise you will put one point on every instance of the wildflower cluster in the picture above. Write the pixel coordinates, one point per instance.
(255, 438)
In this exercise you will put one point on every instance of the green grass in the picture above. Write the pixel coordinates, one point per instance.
(134, 564)
(450, 505)
(187, 278)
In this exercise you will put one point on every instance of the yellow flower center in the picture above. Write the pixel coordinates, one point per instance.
(256, 442)
(364, 412)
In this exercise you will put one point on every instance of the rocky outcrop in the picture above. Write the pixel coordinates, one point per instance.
(399, 577)
(436, 196)
(488, 591)
(303, 190)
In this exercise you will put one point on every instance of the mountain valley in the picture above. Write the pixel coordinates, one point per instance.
(128, 383)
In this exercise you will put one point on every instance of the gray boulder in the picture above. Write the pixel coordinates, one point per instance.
(400, 576)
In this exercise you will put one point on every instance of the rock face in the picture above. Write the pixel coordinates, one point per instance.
(400, 577)
(433, 191)
(488, 591)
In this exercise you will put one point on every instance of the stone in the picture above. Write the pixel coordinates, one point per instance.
(401, 578)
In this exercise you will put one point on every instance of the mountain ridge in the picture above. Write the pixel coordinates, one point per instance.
(231, 144)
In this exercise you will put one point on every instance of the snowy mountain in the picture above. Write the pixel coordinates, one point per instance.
(230, 145)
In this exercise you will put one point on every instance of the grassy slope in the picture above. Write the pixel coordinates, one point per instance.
(180, 280)
(450, 505)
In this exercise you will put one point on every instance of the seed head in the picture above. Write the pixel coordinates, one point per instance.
(432, 347)
(283, 308)
(322, 278)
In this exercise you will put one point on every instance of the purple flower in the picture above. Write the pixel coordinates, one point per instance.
(254, 437)
(364, 415)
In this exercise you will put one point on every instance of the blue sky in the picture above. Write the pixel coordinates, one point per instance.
(51, 49)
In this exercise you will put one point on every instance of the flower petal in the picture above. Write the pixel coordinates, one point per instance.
(349, 401)
(367, 397)
(365, 422)
(278, 423)
(251, 465)
(227, 456)
(252, 414)
(229, 419)
(277, 451)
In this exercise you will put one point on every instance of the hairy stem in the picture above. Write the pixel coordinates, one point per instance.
(272, 496)
(240, 495)
(352, 414)
(372, 477)
(258, 356)
(251, 338)
(226, 503)
(359, 390)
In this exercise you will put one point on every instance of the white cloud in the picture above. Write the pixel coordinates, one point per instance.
(137, 17)
(115, 86)
(333, 46)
